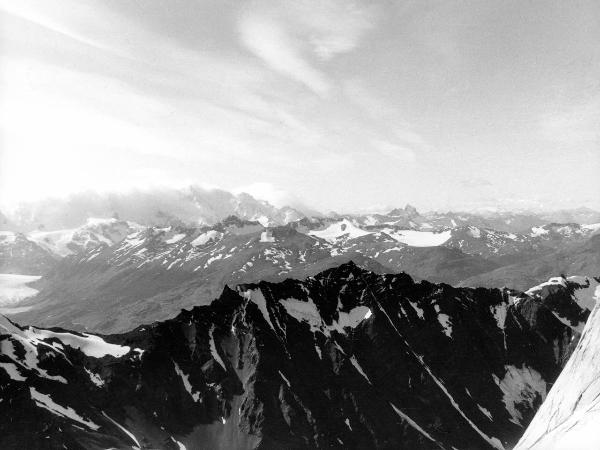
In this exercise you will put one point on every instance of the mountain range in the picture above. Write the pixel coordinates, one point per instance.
(345, 359)
(204, 319)
(194, 206)
(149, 273)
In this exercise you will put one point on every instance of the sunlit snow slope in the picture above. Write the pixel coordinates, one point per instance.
(569, 417)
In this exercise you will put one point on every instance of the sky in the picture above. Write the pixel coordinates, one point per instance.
(338, 104)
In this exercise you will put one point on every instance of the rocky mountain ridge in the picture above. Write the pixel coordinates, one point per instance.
(345, 359)
(149, 273)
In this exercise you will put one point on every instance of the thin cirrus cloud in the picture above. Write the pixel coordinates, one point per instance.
(271, 43)
(290, 37)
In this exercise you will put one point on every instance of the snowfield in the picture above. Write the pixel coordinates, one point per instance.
(338, 230)
(419, 238)
(347, 230)
(13, 288)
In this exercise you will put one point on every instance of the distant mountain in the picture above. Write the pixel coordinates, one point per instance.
(154, 272)
(579, 257)
(20, 255)
(149, 273)
(197, 206)
(577, 215)
(346, 359)
(191, 206)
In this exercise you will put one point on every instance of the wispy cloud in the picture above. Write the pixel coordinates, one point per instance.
(270, 42)
(45, 15)
(291, 36)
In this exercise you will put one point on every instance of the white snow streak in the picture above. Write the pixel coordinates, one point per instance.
(414, 424)
(186, 383)
(359, 369)
(123, 429)
(44, 401)
(213, 349)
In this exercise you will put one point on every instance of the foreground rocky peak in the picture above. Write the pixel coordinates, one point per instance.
(345, 359)
(568, 418)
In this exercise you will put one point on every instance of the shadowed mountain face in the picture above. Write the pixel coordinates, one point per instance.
(345, 359)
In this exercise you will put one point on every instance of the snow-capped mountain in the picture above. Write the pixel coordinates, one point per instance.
(20, 255)
(509, 222)
(568, 418)
(194, 206)
(38, 251)
(149, 273)
(191, 206)
(345, 359)
(94, 234)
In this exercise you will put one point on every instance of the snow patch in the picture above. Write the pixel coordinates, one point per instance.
(123, 429)
(204, 238)
(213, 349)
(176, 238)
(444, 320)
(413, 424)
(307, 311)
(46, 402)
(256, 296)
(343, 229)
(284, 378)
(266, 236)
(522, 385)
(12, 371)
(475, 232)
(415, 238)
(91, 345)
(186, 383)
(358, 368)
(554, 281)
(95, 378)
(486, 412)
(179, 444)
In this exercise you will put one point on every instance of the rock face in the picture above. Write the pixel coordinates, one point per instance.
(569, 417)
(345, 359)
(19, 255)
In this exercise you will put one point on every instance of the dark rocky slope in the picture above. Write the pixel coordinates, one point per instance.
(346, 359)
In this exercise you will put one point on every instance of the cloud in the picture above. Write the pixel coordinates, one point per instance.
(333, 26)
(270, 42)
(287, 35)
(44, 18)
(266, 191)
